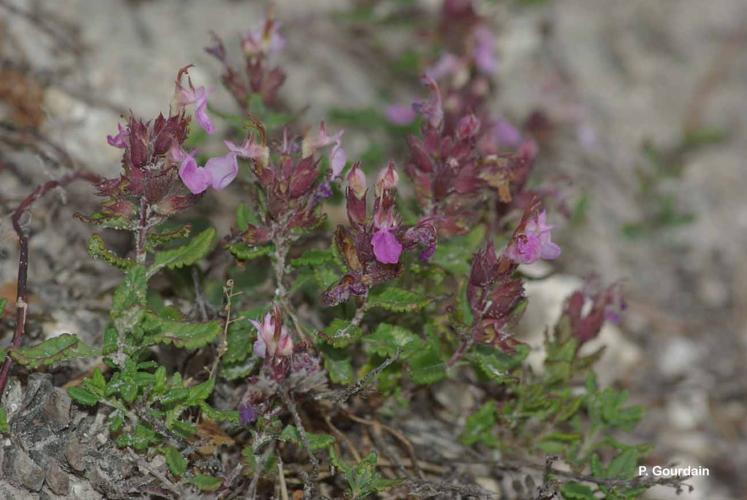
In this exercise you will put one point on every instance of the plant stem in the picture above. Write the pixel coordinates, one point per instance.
(142, 232)
(22, 232)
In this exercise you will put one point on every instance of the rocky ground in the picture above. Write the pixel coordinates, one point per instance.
(610, 74)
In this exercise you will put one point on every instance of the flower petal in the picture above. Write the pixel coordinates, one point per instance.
(386, 247)
(222, 170)
(195, 178)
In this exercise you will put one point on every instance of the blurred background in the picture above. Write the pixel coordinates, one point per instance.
(642, 104)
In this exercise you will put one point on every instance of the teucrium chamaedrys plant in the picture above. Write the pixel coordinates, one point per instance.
(298, 317)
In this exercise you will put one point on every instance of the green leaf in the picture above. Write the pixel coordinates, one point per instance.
(3, 420)
(497, 364)
(128, 303)
(362, 477)
(426, 366)
(186, 255)
(205, 482)
(397, 300)
(60, 348)
(387, 339)
(557, 442)
(338, 366)
(455, 254)
(97, 249)
(200, 392)
(316, 441)
(341, 333)
(140, 439)
(243, 217)
(314, 258)
(3, 354)
(83, 396)
(480, 425)
(176, 462)
(576, 491)
(245, 252)
(184, 335)
(623, 466)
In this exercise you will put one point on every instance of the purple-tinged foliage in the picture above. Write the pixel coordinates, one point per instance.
(372, 247)
(258, 77)
(533, 243)
(189, 95)
(587, 311)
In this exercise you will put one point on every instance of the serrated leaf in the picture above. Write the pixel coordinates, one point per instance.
(397, 300)
(363, 478)
(426, 366)
(576, 491)
(338, 365)
(314, 258)
(387, 339)
(60, 348)
(479, 426)
(246, 252)
(185, 255)
(98, 250)
(497, 364)
(623, 466)
(128, 303)
(83, 396)
(341, 333)
(243, 216)
(175, 461)
(184, 335)
(3, 420)
(316, 441)
(205, 482)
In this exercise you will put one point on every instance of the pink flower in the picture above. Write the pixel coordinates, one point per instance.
(357, 181)
(186, 96)
(337, 156)
(533, 243)
(483, 51)
(250, 150)
(432, 109)
(265, 39)
(217, 173)
(399, 114)
(222, 170)
(447, 64)
(386, 247)
(272, 339)
(195, 178)
(388, 179)
(119, 140)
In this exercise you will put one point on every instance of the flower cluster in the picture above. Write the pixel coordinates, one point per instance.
(292, 186)
(260, 79)
(587, 310)
(154, 160)
(372, 246)
(495, 295)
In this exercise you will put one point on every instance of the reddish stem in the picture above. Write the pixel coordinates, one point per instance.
(23, 260)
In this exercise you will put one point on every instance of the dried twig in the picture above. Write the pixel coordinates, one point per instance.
(347, 393)
(309, 489)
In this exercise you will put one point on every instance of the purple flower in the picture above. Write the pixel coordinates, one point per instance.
(337, 160)
(247, 414)
(186, 96)
(119, 140)
(483, 51)
(505, 134)
(267, 345)
(250, 150)
(222, 170)
(337, 156)
(533, 243)
(265, 39)
(447, 64)
(432, 109)
(399, 114)
(195, 178)
(386, 247)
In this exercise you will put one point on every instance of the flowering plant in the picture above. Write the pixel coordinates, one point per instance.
(237, 356)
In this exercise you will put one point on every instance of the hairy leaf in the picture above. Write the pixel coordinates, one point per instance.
(60, 348)
(186, 255)
(397, 300)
